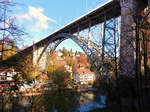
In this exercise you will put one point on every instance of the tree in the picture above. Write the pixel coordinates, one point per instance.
(74, 65)
(65, 52)
(10, 33)
(71, 53)
(60, 77)
(83, 59)
(51, 62)
(8, 48)
(69, 60)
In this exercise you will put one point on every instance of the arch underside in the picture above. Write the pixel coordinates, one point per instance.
(93, 53)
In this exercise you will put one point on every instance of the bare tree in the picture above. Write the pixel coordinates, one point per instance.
(10, 33)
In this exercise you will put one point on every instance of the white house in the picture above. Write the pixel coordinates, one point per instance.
(84, 76)
(68, 68)
(7, 74)
(59, 53)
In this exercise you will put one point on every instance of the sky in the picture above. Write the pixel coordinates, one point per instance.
(39, 18)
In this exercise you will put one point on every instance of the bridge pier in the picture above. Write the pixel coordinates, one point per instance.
(130, 49)
(148, 3)
(39, 62)
(127, 56)
(131, 11)
(148, 49)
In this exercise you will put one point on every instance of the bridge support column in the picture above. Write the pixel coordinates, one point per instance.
(127, 57)
(148, 3)
(130, 11)
(39, 62)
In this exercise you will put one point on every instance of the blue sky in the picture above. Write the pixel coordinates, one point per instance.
(40, 18)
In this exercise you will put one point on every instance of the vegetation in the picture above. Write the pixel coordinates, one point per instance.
(10, 33)
(57, 71)
(61, 78)
(10, 36)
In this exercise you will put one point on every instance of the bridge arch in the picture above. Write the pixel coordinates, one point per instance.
(83, 44)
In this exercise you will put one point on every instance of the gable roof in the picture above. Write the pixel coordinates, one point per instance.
(83, 71)
(4, 71)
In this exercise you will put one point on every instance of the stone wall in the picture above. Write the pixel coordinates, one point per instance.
(127, 63)
(130, 11)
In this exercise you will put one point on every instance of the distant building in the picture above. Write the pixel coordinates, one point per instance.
(76, 54)
(68, 68)
(59, 53)
(7, 74)
(81, 65)
(59, 56)
(84, 76)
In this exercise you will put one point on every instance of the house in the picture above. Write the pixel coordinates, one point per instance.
(59, 53)
(68, 68)
(59, 56)
(7, 74)
(84, 76)
(81, 65)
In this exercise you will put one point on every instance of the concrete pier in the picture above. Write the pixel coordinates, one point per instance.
(127, 57)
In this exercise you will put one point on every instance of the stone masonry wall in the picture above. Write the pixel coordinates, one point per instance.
(130, 10)
(127, 63)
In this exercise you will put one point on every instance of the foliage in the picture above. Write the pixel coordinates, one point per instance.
(22, 63)
(65, 52)
(10, 33)
(51, 63)
(27, 68)
(71, 53)
(82, 59)
(60, 77)
(70, 61)
(8, 51)
(10, 36)
(74, 66)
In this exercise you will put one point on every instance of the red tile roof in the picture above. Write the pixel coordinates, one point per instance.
(82, 71)
(5, 70)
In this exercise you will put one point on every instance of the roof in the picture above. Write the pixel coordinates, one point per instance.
(81, 65)
(83, 71)
(5, 70)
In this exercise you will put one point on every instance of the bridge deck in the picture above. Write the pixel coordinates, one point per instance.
(110, 9)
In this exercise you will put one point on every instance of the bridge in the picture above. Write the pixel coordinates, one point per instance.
(98, 34)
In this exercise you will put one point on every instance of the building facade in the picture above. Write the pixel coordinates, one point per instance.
(84, 76)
